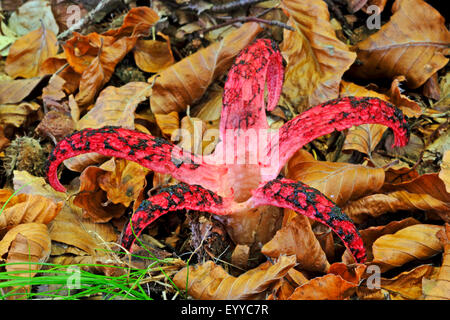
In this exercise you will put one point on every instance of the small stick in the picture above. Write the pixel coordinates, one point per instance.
(222, 8)
(248, 19)
(103, 7)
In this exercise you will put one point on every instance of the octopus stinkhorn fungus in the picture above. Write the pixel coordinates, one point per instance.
(244, 170)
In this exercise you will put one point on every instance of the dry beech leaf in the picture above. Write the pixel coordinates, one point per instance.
(123, 182)
(408, 284)
(409, 107)
(444, 174)
(328, 287)
(93, 199)
(17, 114)
(338, 181)
(15, 91)
(211, 282)
(30, 208)
(378, 204)
(184, 82)
(32, 15)
(168, 123)
(316, 59)
(371, 234)
(351, 273)
(27, 53)
(153, 55)
(36, 232)
(400, 174)
(91, 237)
(414, 242)
(297, 238)
(137, 23)
(101, 68)
(30, 184)
(439, 288)
(115, 107)
(413, 43)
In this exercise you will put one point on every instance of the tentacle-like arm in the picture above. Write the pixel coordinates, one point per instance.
(243, 98)
(151, 152)
(312, 203)
(178, 197)
(337, 114)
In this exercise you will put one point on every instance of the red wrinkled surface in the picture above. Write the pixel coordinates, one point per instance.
(223, 188)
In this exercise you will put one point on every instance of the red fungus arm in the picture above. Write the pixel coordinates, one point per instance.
(337, 114)
(174, 198)
(312, 203)
(243, 98)
(154, 153)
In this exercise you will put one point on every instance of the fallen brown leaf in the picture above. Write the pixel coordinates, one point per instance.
(17, 114)
(153, 55)
(297, 238)
(414, 242)
(413, 44)
(27, 53)
(439, 288)
(15, 91)
(26, 208)
(316, 59)
(338, 181)
(211, 282)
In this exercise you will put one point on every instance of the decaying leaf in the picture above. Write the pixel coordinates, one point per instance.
(28, 208)
(413, 44)
(184, 82)
(29, 52)
(338, 181)
(17, 114)
(211, 282)
(69, 228)
(36, 232)
(316, 59)
(93, 199)
(297, 238)
(439, 288)
(414, 242)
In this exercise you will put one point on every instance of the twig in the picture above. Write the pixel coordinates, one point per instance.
(102, 9)
(248, 19)
(230, 6)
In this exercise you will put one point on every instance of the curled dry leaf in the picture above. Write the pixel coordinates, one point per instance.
(413, 43)
(444, 174)
(371, 234)
(211, 282)
(114, 107)
(414, 242)
(93, 199)
(184, 82)
(328, 287)
(439, 288)
(27, 54)
(378, 204)
(153, 55)
(338, 181)
(28, 208)
(123, 181)
(409, 107)
(408, 284)
(17, 114)
(168, 123)
(297, 238)
(36, 232)
(316, 59)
